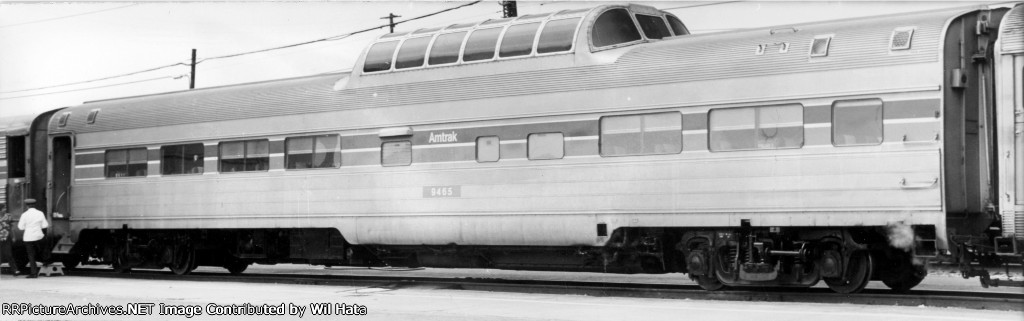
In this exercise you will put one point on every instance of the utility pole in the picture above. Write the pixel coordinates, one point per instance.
(508, 9)
(391, 20)
(192, 75)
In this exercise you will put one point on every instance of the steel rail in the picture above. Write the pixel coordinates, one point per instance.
(930, 298)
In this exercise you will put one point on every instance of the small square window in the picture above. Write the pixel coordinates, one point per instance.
(545, 146)
(131, 162)
(245, 156)
(398, 153)
(857, 122)
(488, 149)
(182, 159)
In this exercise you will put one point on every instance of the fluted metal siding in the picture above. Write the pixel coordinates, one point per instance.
(707, 58)
(1020, 223)
(1011, 35)
(544, 199)
(853, 46)
(1012, 31)
(700, 58)
(249, 101)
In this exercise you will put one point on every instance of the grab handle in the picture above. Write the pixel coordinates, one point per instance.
(929, 184)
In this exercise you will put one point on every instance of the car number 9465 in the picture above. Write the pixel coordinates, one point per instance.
(441, 191)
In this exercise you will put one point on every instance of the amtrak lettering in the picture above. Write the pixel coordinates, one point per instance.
(451, 137)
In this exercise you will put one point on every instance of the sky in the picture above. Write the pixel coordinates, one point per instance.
(49, 45)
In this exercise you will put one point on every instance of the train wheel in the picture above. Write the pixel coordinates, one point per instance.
(183, 259)
(71, 261)
(901, 274)
(236, 267)
(709, 282)
(858, 274)
(699, 262)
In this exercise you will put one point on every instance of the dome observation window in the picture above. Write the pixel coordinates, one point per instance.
(614, 27)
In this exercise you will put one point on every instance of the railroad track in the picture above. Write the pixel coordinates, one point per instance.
(931, 298)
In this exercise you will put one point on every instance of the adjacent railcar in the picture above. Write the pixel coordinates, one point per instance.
(606, 139)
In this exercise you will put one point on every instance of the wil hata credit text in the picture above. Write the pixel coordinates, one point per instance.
(183, 310)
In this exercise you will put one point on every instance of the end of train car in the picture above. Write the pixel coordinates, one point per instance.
(605, 139)
(24, 147)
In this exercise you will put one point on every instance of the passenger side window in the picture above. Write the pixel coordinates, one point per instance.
(481, 44)
(557, 35)
(131, 162)
(312, 152)
(396, 153)
(182, 159)
(545, 146)
(771, 127)
(446, 48)
(245, 156)
(518, 40)
(488, 149)
(651, 134)
(857, 122)
(614, 27)
(677, 26)
(378, 58)
(412, 53)
(653, 26)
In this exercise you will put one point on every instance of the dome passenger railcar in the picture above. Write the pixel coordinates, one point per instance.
(605, 139)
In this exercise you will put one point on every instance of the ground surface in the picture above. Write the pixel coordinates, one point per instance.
(940, 277)
(431, 303)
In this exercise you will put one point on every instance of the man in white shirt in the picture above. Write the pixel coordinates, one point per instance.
(32, 222)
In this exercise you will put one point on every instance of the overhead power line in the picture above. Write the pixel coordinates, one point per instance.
(98, 79)
(331, 38)
(337, 37)
(97, 87)
(440, 12)
(65, 17)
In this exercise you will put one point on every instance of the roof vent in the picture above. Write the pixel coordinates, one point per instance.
(63, 121)
(901, 38)
(395, 132)
(92, 116)
(820, 44)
